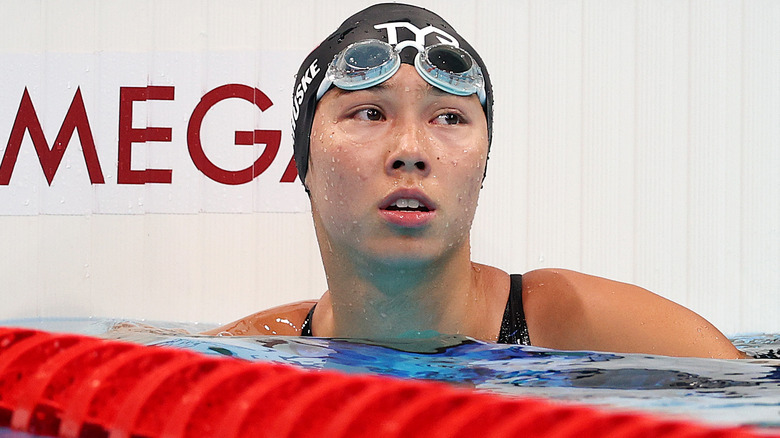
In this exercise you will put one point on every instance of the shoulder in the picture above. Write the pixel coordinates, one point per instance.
(284, 320)
(573, 311)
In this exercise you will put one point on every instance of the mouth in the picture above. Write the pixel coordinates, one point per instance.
(407, 204)
(407, 200)
(408, 209)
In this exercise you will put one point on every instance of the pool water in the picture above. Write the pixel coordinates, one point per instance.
(717, 392)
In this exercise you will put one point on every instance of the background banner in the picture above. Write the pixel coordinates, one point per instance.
(129, 133)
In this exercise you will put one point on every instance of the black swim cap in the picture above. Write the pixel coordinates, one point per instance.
(400, 25)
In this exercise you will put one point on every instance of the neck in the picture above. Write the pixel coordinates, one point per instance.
(376, 299)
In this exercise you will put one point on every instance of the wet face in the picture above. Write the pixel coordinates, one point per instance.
(395, 170)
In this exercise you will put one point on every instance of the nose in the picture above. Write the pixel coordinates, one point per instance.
(409, 152)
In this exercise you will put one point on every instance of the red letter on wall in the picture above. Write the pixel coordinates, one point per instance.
(271, 139)
(27, 120)
(291, 172)
(129, 135)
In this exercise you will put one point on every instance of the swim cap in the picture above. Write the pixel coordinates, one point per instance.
(410, 29)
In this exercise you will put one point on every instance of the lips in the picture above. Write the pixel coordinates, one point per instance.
(407, 208)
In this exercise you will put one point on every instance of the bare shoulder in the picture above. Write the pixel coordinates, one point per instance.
(284, 320)
(573, 311)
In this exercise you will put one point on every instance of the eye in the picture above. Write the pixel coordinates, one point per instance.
(369, 114)
(448, 119)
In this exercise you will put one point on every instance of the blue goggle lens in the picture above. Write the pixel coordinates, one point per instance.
(449, 58)
(362, 65)
(451, 69)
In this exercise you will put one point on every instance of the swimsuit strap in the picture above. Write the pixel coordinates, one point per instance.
(306, 326)
(514, 329)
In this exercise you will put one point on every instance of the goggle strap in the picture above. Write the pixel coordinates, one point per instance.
(324, 87)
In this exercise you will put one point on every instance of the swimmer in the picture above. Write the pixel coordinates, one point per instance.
(392, 119)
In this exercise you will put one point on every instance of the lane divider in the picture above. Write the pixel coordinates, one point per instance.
(75, 386)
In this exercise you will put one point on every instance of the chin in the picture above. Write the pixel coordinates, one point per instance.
(402, 263)
(406, 256)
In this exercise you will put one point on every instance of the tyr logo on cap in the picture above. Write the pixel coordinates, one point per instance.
(419, 35)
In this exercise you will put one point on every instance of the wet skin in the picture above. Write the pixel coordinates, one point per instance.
(395, 270)
(402, 139)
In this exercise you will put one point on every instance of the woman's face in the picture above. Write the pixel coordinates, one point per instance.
(395, 170)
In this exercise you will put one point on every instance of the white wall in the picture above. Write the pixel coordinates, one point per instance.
(637, 140)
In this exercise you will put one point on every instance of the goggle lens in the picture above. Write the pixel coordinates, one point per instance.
(362, 65)
(451, 69)
(449, 58)
(366, 56)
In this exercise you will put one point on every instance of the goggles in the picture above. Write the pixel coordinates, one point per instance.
(370, 62)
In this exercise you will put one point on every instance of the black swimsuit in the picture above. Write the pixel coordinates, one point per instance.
(514, 330)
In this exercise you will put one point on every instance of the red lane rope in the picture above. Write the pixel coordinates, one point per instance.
(182, 413)
(78, 386)
(36, 394)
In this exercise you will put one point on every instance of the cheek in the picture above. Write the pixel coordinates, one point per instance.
(337, 169)
(464, 165)
(337, 173)
(466, 168)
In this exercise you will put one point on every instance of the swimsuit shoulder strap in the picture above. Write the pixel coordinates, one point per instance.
(306, 326)
(514, 329)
